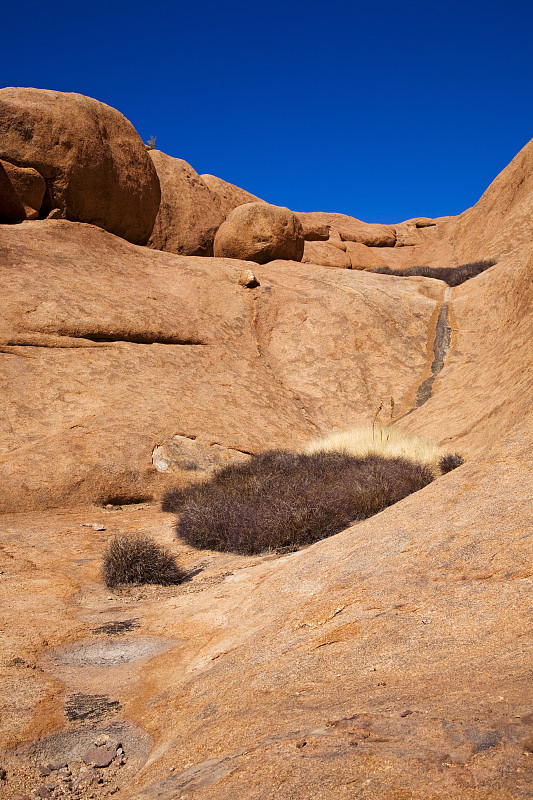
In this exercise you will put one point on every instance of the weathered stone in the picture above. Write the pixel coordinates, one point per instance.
(248, 279)
(335, 239)
(11, 208)
(260, 232)
(95, 164)
(99, 756)
(363, 257)
(188, 216)
(28, 185)
(350, 229)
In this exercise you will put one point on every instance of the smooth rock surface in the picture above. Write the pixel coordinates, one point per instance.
(226, 195)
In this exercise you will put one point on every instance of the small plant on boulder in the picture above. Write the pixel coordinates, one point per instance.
(138, 559)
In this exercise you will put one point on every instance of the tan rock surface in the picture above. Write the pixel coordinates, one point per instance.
(350, 229)
(228, 196)
(363, 257)
(119, 344)
(389, 662)
(260, 232)
(188, 216)
(502, 219)
(96, 166)
(325, 254)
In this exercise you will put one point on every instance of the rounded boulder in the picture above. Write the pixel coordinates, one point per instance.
(95, 165)
(260, 232)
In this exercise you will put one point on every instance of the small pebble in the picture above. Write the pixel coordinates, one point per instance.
(406, 713)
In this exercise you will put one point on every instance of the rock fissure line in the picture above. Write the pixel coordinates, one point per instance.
(276, 378)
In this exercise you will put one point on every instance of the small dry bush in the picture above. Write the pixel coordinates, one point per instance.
(280, 499)
(138, 559)
(453, 276)
(388, 442)
(450, 461)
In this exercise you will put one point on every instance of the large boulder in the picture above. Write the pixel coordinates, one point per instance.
(351, 229)
(260, 232)
(94, 163)
(188, 216)
(227, 196)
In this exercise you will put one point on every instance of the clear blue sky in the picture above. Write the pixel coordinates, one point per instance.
(384, 111)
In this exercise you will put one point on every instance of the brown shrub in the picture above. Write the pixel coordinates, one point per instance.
(450, 461)
(453, 276)
(138, 559)
(279, 499)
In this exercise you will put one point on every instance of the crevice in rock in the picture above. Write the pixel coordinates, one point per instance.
(442, 337)
(67, 341)
(441, 345)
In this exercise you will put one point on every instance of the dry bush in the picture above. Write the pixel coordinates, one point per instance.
(453, 276)
(280, 499)
(450, 461)
(388, 442)
(136, 558)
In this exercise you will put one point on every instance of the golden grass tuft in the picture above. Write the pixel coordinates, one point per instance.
(384, 441)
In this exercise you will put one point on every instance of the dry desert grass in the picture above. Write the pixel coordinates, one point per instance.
(387, 442)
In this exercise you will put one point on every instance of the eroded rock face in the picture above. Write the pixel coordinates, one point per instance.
(11, 208)
(227, 196)
(315, 224)
(29, 187)
(94, 163)
(260, 232)
(195, 456)
(188, 216)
